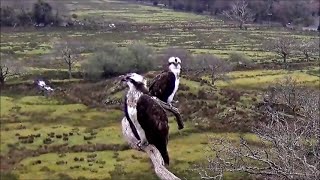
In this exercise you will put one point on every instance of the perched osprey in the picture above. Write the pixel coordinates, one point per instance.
(165, 85)
(147, 118)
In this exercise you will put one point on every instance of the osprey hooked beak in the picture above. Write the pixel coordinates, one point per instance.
(174, 60)
(133, 77)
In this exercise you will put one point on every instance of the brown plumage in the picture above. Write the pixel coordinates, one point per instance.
(149, 115)
(162, 85)
(154, 122)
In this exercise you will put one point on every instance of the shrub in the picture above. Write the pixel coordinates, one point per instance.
(42, 13)
(112, 61)
(155, 3)
(63, 176)
(75, 16)
(58, 136)
(33, 44)
(142, 57)
(24, 18)
(8, 16)
(178, 6)
(240, 60)
(45, 169)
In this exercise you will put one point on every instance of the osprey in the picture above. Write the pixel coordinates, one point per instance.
(147, 119)
(165, 85)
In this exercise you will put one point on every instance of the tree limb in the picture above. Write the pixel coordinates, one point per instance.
(172, 109)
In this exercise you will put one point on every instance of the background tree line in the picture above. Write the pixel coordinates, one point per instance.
(283, 11)
(109, 60)
(19, 13)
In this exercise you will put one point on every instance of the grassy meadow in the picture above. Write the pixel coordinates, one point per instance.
(66, 138)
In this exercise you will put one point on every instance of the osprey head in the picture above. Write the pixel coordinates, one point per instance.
(135, 82)
(174, 65)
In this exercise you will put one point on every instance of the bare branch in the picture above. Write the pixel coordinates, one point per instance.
(290, 139)
(283, 46)
(8, 68)
(239, 12)
(216, 67)
(309, 47)
(173, 110)
(69, 51)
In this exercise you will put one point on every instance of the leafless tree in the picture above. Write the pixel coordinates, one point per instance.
(283, 46)
(69, 51)
(217, 68)
(289, 145)
(239, 12)
(309, 47)
(8, 69)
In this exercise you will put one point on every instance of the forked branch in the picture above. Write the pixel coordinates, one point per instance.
(172, 109)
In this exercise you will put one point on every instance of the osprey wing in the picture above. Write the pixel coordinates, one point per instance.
(151, 115)
(154, 121)
(162, 85)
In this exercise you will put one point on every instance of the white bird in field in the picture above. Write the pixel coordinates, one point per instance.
(43, 86)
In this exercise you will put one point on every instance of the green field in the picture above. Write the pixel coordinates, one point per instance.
(89, 135)
(38, 117)
(156, 27)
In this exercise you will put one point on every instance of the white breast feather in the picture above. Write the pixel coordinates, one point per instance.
(132, 112)
(176, 86)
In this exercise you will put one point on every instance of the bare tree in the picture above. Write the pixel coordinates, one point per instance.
(239, 12)
(8, 69)
(289, 140)
(283, 47)
(69, 51)
(309, 47)
(217, 68)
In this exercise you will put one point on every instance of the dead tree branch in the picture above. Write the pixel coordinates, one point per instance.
(173, 110)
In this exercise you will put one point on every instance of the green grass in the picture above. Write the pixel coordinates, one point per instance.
(185, 148)
(29, 171)
(6, 104)
(157, 27)
(263, 78)
(182, 156)
(51, 115)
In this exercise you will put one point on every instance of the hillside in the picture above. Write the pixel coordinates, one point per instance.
(73, 134)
